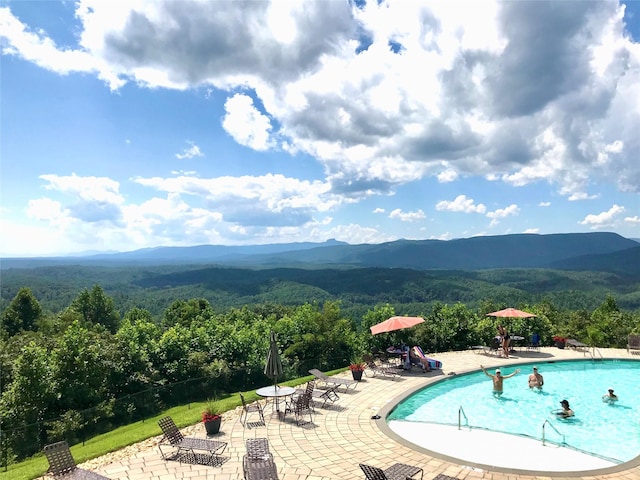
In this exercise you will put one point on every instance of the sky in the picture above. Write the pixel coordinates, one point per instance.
(127, 125)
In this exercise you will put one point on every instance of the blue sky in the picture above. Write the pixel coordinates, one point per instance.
(137, 124)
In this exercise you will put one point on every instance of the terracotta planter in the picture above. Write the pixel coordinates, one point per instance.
(560, 345)
(213, 426)
(357, 374)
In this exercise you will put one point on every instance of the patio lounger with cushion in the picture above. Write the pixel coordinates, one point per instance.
(433, 363)
(257, 463)
(633, 343)
(189, 445)
(333, 381)
(398, 471)
(62, 464)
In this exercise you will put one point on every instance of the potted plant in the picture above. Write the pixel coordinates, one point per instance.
(357, 368)
(211, 418)
(560, 341)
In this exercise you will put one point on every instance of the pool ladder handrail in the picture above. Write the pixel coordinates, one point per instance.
(556, 430)
(593, 352)
(460, 415)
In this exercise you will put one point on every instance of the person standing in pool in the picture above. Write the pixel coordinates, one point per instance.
(535, 379)
(566, 411)
(498, 379)
(610, 397)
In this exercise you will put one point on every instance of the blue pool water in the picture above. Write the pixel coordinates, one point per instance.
(609, 430)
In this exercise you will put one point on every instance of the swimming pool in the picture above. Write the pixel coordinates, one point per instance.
(604, 430)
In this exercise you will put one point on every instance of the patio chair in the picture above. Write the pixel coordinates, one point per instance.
(534, 342)
(333, 381)
(300, 407)
(374, 368)
(248, 408)
(398, 471)
(188, 446)
(633, 343)
(317, 396)
(62, 464)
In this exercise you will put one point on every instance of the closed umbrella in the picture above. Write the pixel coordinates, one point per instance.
(273, 367)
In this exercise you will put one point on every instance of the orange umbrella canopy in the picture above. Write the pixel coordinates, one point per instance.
(395, 323)
(511, 313)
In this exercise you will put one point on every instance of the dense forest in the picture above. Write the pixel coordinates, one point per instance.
(70, 371)
(155, 288)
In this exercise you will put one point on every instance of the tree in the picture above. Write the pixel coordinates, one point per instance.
(23, 312)
(28, 399)
(79, 368)
(184, 313)
(96, 308)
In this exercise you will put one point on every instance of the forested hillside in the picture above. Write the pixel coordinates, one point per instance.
(155, 288)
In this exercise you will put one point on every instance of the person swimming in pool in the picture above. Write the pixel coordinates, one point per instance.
(610, 397)
(498, 379)
(566, 411)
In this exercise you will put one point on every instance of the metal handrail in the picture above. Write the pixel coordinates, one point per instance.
(595, 350)
(556, 430)
(460, 415)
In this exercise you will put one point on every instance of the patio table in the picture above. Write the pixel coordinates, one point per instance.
(273, 392)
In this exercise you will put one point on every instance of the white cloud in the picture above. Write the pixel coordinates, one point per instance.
(544, 204)
(576, 196)
(190, 152)
(532, 230)
(366, 114)
(448, 175)
(378, 210)
(634, 219)
(246, 124)
(602, 219)
(461, 204)
(415, 216)
(502, 213)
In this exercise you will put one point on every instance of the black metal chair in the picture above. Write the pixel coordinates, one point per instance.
(187, 446)
(398, 471)
(248, 408)
(62, 464)
(257, 463)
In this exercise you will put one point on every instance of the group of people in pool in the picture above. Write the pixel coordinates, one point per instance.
(536, 380)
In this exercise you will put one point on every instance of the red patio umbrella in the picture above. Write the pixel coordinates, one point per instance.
(395, 323)
(511, 313)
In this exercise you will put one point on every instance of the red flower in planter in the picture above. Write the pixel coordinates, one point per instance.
(559, 339)
(357, 367)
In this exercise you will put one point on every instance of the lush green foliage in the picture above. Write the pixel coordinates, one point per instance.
(81, 371)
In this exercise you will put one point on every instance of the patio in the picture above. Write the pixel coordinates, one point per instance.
(341, 436)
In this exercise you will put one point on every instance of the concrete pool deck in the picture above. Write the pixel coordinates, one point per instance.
(345, 435)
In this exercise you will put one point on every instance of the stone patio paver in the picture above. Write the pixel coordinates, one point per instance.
(341, 438)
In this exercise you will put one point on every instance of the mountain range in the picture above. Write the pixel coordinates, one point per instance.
(599, 251)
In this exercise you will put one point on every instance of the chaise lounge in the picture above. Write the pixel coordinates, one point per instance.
(188, 446)
(633, 343)
(397, 471)
(333, 381)
(63, 466)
